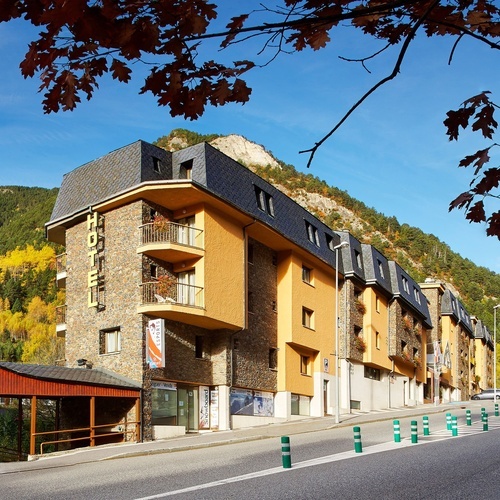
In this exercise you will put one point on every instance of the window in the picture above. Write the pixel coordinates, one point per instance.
(306, 274)
(186, 169)
(357, 256)
(153, 271)
(304, 365)
(377, 304)
(405, 285)
(329, 241)
(377, 340)
(156, 164)
(274, 306)
(110, 340)
(380, 268)
(198, 348)
(416, 294)
(312, 233)
(264, 201)
(372, 373)
(300, 405)
(307, 318)
(273, 358)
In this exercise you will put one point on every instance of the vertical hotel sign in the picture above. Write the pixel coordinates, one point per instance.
(155, 334)
(93, 220)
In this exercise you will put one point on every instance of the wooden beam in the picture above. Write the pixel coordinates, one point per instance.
(33, 425)
(92, 421)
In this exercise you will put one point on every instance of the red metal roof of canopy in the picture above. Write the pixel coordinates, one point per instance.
(20, 380)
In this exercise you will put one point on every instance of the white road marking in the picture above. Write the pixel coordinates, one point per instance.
(440, 435)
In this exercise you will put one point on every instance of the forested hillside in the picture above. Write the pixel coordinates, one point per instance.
(28, 296)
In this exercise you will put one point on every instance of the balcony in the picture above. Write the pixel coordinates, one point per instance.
(171, 242)
(61, 270)
(61, 321)
(183, 303)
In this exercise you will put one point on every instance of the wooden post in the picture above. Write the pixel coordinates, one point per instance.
(19, 429)
(33, 425)
(92, 421)
(138, 420)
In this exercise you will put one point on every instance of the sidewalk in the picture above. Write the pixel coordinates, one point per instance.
(202, 440)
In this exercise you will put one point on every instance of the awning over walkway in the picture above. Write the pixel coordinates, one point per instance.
(20, 380)
(56, 382)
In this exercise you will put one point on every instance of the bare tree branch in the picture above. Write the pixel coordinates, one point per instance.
(393, 74)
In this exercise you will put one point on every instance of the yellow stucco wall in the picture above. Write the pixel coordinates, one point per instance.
(376, 320)
(222, 267)
(316, 342)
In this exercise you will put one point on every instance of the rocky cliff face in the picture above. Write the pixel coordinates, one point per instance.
(244, 151)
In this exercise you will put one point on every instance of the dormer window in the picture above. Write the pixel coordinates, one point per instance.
(186, 169)
(417, 295)
(380, 268)
(156, 164)
(264, 201)
(405, 284)
(312, 233)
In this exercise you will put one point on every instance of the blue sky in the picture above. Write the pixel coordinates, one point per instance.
(392, 154)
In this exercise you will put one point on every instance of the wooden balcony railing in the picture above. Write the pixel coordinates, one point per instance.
(178, 293)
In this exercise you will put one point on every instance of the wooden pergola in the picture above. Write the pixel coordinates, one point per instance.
(35, 382)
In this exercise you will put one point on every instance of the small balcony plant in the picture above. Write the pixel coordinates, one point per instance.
(360, 343)
(407, 323)
(166, 284)
(161, 223)
(360, 306)
(417, 361)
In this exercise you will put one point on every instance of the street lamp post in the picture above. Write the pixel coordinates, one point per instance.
(337, 340)
(495, 352)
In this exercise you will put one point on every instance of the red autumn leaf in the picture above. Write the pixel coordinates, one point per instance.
(476, 213)
(493, 228)
(485, 122)
(457, 119)
(462, 200)
(120, 71)
(490, 180)
(479, 158)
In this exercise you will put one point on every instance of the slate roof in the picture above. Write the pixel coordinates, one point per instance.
(94, 376)
(404, 287)
(376, 268)
(106, 176)
(352, 257)
(235, 184)
(451, 306)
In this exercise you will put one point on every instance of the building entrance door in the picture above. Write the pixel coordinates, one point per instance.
(187, 407)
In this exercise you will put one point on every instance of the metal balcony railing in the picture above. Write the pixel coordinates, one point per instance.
(171, 232)
(178, 293)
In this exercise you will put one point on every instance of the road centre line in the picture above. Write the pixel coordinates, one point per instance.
(378, 448)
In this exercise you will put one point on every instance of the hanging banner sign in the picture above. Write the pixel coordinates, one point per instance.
(155, 338)
(204, 407)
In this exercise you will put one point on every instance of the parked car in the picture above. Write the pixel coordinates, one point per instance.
(486, 394)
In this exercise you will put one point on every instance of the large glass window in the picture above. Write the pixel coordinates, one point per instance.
(164, 409)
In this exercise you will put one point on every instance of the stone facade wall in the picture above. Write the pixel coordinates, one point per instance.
(251, 346)
(355, 320)
(120, 274)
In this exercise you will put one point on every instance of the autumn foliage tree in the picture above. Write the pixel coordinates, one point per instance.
(81, 41)
(478, 114)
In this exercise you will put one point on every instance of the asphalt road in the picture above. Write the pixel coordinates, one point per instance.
(324, 466)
